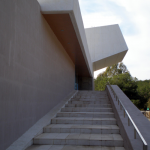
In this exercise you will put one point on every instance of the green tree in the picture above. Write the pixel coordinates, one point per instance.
(148, 103)
(136, 103)
(144, 93)
(118, 74)
(100, 83)
(126, 83)
(111, 74)
(115, 69)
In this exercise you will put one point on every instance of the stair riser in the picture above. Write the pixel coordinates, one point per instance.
(85, 110)
(85, 122)
(88, 102)
(82, 131)
(95, 95)
(91, 99)
(86, 115)
(78, 142)
(88, 105)
(92, 95)
(85, 100)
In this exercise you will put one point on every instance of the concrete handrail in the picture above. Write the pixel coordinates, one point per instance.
(145, 145)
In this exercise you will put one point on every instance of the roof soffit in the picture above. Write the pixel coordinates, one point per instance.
(65, 8)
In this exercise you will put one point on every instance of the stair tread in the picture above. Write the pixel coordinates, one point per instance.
(82, 126)
(91, 102)
(89, 105)
(84, 108)
(86, 113)
(78, 136)
(83, 118)
(70, 147)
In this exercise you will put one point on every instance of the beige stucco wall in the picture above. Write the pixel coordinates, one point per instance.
(35, 70)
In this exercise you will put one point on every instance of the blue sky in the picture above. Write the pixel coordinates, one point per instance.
(134, 21)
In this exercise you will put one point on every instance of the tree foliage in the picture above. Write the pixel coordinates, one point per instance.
(118, 74)
(143, 91)
(113, 70)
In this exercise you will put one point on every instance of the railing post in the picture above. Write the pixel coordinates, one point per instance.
(118, 101)
(128, 121)
(114, 94)
(145, 147)
(124, 114)
(120, 106)
(134, 133)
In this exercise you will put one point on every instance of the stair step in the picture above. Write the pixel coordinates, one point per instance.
(89, 102)
(79, 139)
(84, 120)
(85, 109)
(91, 99)
(88, 129)
(70, 147)
(91, 96)
(86, 114)
(89, 105)
(87, 122)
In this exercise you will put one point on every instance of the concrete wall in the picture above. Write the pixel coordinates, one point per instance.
(121, 122)
(35, 71)
(139, 119)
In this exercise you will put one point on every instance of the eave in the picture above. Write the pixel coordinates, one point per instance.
(64, 18)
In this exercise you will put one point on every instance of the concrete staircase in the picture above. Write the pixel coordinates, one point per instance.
(87, 122)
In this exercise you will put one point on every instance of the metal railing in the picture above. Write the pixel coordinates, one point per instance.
(136, 130)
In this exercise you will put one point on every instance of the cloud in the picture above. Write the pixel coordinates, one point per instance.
(133, 18)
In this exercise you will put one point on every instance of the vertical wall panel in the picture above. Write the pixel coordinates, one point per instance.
(35, 70)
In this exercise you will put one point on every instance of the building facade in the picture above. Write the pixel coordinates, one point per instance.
(45, 54)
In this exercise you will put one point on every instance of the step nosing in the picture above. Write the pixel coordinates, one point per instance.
(64, 126)
(75, 136)
(86, 112)
(79, 147)
(85, 119)
(86, 108)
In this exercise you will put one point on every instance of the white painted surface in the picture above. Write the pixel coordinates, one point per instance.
(106, 45)
(101, 46)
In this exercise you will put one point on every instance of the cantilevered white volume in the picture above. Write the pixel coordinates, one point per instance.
(106, 45)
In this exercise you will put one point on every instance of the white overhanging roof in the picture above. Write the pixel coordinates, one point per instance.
(72, 8)
(106, 45)
(100, 46)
